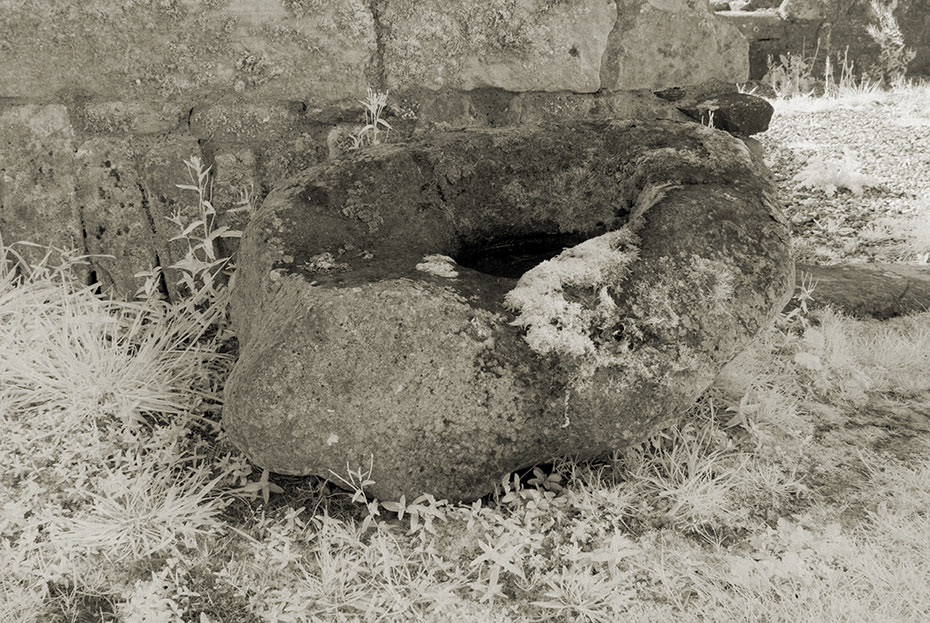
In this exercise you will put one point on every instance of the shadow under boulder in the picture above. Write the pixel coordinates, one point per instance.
(450, 309)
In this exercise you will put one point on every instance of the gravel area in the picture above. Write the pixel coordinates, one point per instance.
(886, 138)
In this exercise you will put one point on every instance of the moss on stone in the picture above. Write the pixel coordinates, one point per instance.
(553, 322)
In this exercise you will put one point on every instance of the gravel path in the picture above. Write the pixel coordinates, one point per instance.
(890, 140)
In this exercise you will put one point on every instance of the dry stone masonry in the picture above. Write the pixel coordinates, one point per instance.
(101, 102)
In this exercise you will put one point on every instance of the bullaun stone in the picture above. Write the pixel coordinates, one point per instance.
(450, 309)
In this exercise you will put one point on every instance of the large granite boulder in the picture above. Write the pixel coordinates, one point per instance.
(452, 308)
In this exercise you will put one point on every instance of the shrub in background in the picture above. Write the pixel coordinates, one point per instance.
(894, 58)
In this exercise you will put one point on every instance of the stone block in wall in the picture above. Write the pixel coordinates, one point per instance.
(163, 168)
(839, 26)
(128, 117)
(533, 45)
(755, 5)
(234, 173)
(770, 36)
(325, 50)
(37, 175)
(533, 108)
(118, 229)
(452, 109)
(234, 120)
(756, 25)
(850, 29)
(281, 159)
(126, 189)
(657, 44)
(489, 108)
(143, 50)
(800, 9)
(340, 111)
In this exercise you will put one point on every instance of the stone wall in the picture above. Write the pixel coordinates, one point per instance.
(101, 101)
(817, 28)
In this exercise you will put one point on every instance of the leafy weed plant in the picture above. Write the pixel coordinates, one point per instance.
(894, 58)
(791, 76)
(370, 134)
(829, 175)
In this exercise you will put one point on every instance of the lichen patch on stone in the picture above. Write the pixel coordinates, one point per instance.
(555, 324)
(439, 265)
(324, 262)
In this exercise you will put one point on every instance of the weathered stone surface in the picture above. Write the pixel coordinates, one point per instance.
(530, 108)
(362, 339)
(142, 50)
(118, 228)
(915, 25)
(162, 169)
(770, 36)
(657, 44)
(797, 9)
(755, 5)
(281, 159)
(453, 109)
(234, 120)
(737, 113)
(531, 45)
(879, 291)
(127, 188)
(128, 117)
(756, 149)
(756, 25)
(234, 173)
(37, 179)
(836, 28)
(492, 108)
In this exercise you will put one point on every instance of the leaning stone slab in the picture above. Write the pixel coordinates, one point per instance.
(879, 291)
(719, 104)
(469, 303)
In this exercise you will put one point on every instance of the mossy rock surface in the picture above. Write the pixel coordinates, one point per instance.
(469, 303)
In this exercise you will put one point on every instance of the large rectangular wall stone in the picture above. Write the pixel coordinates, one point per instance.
(37, 173)
(118, 229)
(517, 45)
(145, 49)
(658, 44)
